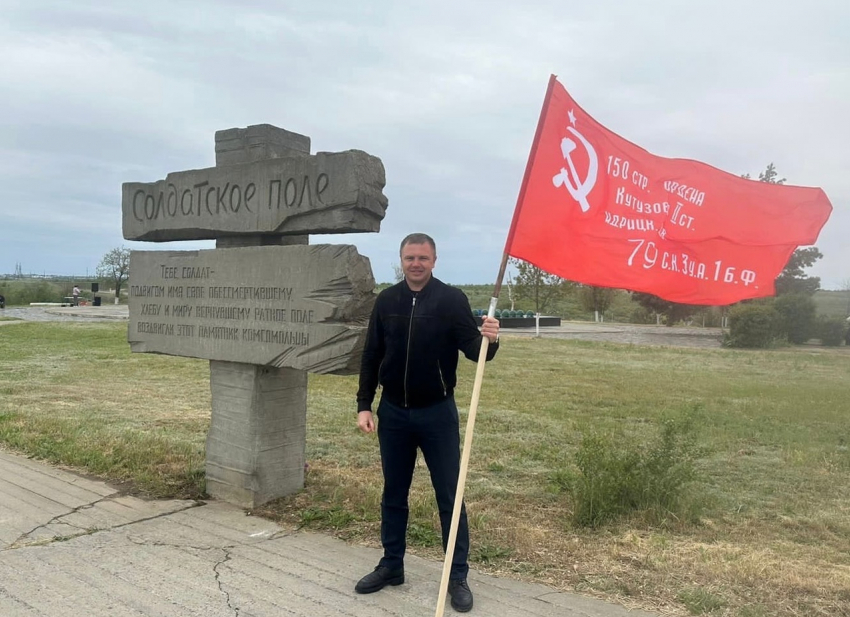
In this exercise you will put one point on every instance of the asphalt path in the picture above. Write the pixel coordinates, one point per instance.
(65, 313)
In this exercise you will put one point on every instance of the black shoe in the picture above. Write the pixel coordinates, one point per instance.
(379, 578)
(461, 595)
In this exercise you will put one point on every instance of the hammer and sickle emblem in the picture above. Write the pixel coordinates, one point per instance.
(578, 190)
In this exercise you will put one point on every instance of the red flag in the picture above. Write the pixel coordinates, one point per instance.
(597, 209)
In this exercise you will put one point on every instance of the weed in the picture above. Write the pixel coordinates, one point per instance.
(423, 535)
(334, 517)
(489, 553)
(700, 601)
(617, 477)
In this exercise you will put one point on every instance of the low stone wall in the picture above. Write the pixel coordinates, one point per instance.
(528, 322)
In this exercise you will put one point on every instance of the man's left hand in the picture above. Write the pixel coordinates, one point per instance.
(490, 328)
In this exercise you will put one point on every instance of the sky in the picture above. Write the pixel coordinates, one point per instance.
(447, 94)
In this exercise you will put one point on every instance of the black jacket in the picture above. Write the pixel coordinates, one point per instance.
(413, 342)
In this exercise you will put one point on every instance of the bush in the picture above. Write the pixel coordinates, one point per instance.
(641, 315)
(797, 317)
(831, 331)
(753, 325)
(21, 293)
(615, 479)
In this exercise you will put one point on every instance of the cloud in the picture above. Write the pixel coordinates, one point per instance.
(95, 94)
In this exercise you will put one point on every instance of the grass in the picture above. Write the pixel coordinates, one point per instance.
(700, 601)
(770, 533)
(833, 303)
(72, 394)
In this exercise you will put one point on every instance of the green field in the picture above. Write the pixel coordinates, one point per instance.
(833, 303)
(766, 532)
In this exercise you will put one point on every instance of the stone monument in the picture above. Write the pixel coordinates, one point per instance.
(264, 307)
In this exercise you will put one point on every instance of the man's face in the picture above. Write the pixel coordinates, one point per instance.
(417, 261)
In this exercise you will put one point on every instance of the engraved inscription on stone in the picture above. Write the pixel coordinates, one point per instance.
(302, 307)
(330, 192)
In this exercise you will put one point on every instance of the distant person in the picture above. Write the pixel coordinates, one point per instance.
(2, 301)
(415, 332)
(76, 295)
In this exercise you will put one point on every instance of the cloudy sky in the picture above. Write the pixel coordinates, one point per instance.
(447, 94)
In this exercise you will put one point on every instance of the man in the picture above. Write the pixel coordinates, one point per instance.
(415, 332)
(75, 294)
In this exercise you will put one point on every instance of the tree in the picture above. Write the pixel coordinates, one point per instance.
(596, 299)
(768, 175)
(511, 291)
(673, 311)
(532, 283)
(792, 279)
(115, 268)
(797, 313)
(398, 273)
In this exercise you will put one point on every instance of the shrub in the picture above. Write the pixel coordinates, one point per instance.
(21, 293)
(753, 325)
(797, 317)
(641, 315)
(831, 331)
(615, 479)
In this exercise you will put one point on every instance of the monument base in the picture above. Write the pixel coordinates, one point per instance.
(528, 322)
(258, 433)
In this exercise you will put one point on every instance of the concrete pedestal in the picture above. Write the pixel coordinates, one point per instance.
(258, 430)
(256, 444)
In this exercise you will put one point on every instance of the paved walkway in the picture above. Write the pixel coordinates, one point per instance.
(66, 313)
(70, 546)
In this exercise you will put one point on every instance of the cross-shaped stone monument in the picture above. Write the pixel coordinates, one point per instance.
(264, 307)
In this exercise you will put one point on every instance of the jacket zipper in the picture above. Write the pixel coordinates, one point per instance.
(407, 359)
(442, 381)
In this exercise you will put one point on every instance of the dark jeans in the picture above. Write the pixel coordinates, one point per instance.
(435, 431)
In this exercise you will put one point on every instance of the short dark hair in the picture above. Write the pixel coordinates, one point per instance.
(417, 238)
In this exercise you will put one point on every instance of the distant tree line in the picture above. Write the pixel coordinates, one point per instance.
(112, 273)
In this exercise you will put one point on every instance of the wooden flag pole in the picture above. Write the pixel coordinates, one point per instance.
(479, 373)
(464, 459)
(464, 465)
